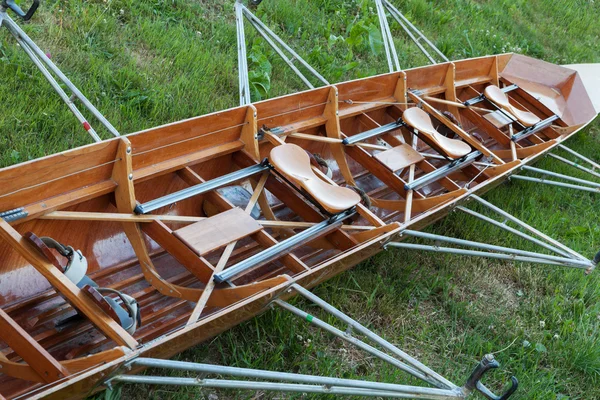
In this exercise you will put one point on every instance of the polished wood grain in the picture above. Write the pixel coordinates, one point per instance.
(40, 360)
(217, 231)
(165, 159)
(71, 292)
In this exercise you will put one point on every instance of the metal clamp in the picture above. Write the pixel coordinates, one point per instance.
(474, 381)
(25, 16)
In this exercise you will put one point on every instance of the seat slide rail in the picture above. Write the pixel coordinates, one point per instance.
(201, 188)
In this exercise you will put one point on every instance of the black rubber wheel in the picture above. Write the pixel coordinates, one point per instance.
(255, 2)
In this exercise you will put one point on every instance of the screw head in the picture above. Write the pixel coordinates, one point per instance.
(130, 177)
(128, 150)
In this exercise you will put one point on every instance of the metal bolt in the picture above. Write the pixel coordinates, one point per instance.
(128, 150)
(130, 177)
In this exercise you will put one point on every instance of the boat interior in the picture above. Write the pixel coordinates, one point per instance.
(126, 246)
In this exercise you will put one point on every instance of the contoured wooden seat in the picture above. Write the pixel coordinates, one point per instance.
(499, 98)
(419, 120)
(294, 163)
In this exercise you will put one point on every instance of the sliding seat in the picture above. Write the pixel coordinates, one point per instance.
(494, 94)
(74, 266)
(459, 153)
(529, 122)
(420, 121)
(292, 164)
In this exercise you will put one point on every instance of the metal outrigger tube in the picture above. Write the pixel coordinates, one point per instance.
(275, 42)
(48, 68)
(412, 31)
(440, 387)
(563, 256)
(590, 167)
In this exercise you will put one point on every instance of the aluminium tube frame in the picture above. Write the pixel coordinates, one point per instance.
(276, 381)
(47, 68)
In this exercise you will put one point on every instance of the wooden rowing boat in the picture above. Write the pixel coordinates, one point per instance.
(182, 217)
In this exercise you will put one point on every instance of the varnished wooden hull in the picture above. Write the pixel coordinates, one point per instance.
(94, 179)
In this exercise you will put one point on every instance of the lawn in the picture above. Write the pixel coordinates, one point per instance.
(146, 63)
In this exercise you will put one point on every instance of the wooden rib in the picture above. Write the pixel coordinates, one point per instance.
(72, 293)
(400, 91)
(459, 131)
(162, 235)
(28, 373)
(422, 205)
(450, 94)
(526, 151)
(249, 133)
(333, 130)
(125, 202)
(513, 147)
(494, 72)
(46, 366)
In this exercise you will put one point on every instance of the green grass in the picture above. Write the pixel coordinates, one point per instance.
(145, 63)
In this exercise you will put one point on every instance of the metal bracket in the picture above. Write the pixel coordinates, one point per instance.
(474, 381)
(25, 16)
(14, 214)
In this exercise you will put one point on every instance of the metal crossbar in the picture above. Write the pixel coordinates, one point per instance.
(565, 256)
(275, 381)
(442, 171)
(411, 30)
(201, 188)
(533, 129)
(282, 247)
(583, 184)
(275, 42)
(373, 133)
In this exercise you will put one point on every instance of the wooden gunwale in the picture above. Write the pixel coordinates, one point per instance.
(351, 253)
